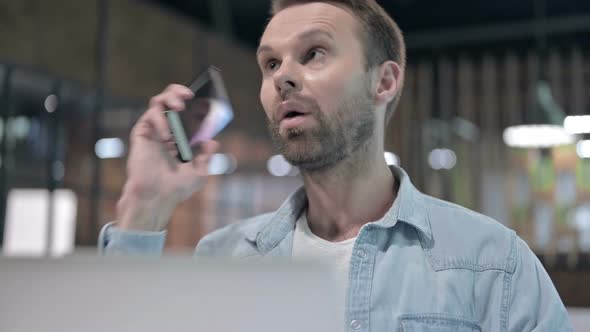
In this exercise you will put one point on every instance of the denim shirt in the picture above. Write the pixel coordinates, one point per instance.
(427, 265)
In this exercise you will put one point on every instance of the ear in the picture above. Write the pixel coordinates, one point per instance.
(388, 82)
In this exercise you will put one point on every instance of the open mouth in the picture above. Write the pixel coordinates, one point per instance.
(293, 119)
(293, 114)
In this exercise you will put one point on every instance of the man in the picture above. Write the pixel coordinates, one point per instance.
(332, 74)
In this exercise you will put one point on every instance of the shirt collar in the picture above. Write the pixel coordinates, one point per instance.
(408, 207)
(281, 222)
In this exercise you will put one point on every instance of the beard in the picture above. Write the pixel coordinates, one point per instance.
(338, 135)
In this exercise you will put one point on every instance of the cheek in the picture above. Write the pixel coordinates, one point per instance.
(266, 97)
(336, 78)
(329, 89)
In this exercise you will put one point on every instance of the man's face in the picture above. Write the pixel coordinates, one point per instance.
(315, 88)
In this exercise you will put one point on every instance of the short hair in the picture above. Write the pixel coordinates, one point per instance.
(383, 39)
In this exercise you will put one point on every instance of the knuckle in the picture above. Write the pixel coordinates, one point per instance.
(142, 128)
(175, 89)
(156, 101)
(180, 91)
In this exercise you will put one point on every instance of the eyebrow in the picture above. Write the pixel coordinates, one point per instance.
(304, 35)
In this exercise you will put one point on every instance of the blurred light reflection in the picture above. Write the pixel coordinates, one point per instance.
(107, 148)
(391, 158)
(221, 163)
(51, 103)
(537, 136)
(577, 124)
(442, 159)
(583, 148)
(277, 165)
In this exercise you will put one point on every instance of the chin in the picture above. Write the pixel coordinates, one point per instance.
(310, 157)
(293, 134)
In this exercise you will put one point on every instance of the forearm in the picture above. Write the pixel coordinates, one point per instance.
(139, 229)
(139, 211)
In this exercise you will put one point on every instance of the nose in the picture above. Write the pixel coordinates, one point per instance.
(286, 80)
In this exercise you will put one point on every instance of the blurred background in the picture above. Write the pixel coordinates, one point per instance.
(495, 116)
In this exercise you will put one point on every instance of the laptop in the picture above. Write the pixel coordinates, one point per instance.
(146, 294)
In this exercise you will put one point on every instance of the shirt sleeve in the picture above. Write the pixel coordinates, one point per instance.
(533, 301)
(115, 241)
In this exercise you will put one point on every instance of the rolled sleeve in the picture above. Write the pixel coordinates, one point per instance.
(534, 304)
(115, 241)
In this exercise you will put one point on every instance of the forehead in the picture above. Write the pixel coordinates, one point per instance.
(289, 22)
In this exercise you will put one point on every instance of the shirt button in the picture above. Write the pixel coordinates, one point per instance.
(361, 253)
(355, 324)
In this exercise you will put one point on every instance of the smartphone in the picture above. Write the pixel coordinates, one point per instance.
(205, 115)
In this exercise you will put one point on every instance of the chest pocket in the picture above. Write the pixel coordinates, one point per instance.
(436, 322)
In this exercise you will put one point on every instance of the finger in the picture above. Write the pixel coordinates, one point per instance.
(153, 121)
(179, 89)
(201, 161)
(172, 97)
(170, 146)
(168, 101)
(142, 128)
(173, 102)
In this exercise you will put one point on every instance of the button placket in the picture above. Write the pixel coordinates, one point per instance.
(361, 273)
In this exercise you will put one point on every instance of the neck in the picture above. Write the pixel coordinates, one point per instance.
(348, 195)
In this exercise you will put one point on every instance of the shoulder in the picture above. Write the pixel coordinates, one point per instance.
(233, 240)
(466, 239)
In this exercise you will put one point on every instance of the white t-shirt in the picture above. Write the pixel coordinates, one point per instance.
(336, 255)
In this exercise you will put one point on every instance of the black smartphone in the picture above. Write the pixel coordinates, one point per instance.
(206, 114)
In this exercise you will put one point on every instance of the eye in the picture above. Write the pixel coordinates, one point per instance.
(313, 54)
(271, 64)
